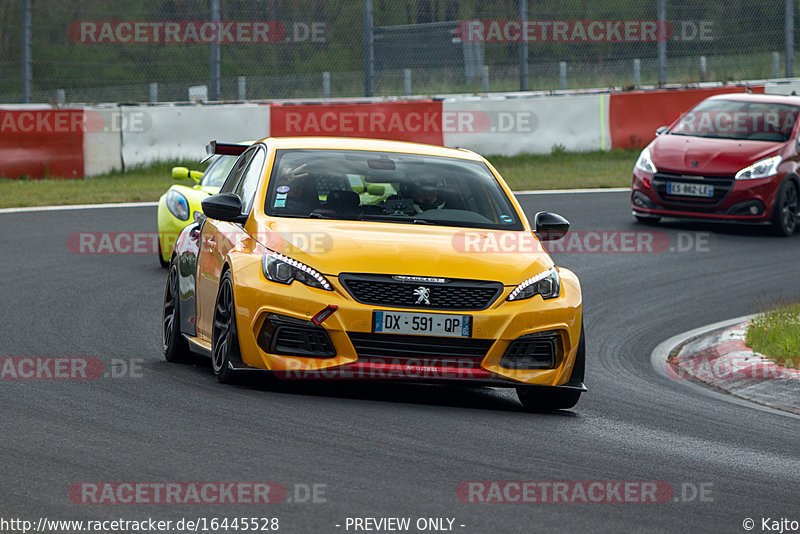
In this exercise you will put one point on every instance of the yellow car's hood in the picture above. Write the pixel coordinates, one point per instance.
(333, 247)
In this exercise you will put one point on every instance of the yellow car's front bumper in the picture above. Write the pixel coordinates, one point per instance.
(503, 322)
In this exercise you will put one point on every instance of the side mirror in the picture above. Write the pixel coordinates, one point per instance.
(224, 207)
(549, 226)
(661, 129)
(182, 173)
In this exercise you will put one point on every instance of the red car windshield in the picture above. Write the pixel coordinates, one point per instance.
(740, 120)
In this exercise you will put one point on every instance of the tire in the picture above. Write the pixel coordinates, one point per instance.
(164, 264)
(786, 208)
(644, 219)
(225, 335)
(537, 399)
(173, 344)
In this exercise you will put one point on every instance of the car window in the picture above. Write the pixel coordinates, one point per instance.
(218, 170)
(390, 187)
(237, 171)
(740, 120)
(249, 183)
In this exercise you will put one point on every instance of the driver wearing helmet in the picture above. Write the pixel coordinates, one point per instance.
(426, 196)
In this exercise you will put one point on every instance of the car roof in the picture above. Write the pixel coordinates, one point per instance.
(378, 145)
(766, 99)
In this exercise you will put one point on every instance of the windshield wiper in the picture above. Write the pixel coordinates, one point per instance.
(396, 218)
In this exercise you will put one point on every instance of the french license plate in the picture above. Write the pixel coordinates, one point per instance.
(690, 190)
(422, 324)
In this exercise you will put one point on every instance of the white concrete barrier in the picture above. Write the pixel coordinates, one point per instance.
(527, 125)
(181, 131)
(102, 140)
(785, 87)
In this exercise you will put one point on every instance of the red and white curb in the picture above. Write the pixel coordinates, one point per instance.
(717, 358)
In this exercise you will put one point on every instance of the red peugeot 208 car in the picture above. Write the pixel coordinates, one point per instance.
(732, 157)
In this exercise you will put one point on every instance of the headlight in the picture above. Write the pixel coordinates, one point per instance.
(178, 205)
(760, 169)
(644, 163)
(546, 284)
(285, 270)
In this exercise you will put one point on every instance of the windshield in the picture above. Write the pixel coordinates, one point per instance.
(741, 120)
(217, 171)
(387, 186)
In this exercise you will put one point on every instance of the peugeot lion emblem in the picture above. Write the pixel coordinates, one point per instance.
(423, 295)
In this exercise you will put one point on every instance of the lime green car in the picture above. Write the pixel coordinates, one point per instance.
(180, 205)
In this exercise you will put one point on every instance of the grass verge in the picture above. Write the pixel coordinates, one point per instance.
(559, 170)
(776, 334)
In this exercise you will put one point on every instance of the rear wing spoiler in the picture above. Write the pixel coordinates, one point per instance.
(225, 149)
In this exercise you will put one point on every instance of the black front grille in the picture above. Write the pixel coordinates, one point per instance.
(453, 294)
(420, 350)
(294, 337)
(533, 351)
(722, 186)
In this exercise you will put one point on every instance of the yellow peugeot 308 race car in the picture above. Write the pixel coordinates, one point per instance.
(324, 258)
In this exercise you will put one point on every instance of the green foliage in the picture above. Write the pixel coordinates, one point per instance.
(776, 333)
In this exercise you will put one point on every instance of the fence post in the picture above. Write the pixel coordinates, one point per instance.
(369, 49)
(61, 97)
(326, 84)
(562, 75)
(703, 68)
(776, 65)
(215, 54)
(662, 41)
(241, 86)
(27, 52)
(154, 92)
(523, 47)
(789, 36)
(637, 72)
(407, 81)
(485, 78)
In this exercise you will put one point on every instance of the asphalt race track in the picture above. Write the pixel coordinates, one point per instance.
(393, 450)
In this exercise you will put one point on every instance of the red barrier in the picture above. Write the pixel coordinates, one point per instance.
(419, 120)
(41, 142)
(634, 117)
